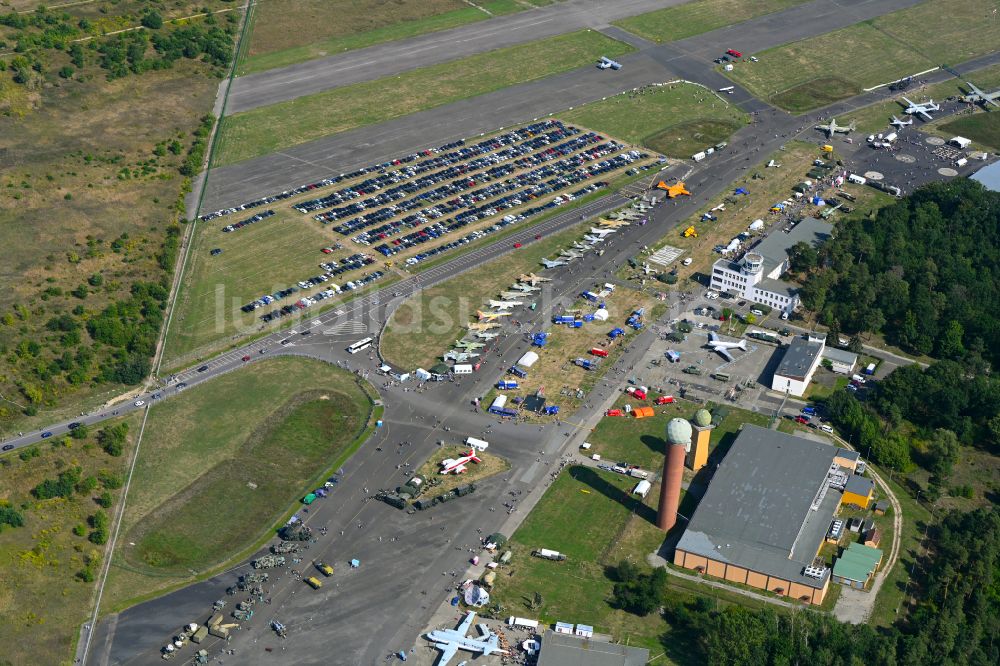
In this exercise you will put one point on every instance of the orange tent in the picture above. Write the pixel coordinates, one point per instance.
(673, 190)
(643, 412)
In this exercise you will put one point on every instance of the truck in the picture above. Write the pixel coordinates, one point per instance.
(505, 384)
(326, 569)
(547, 554)
(586, 363)
(692, 370)
(600, 353)
(638, 473)
(519, 372)
(638, 392)
(590, 296)
(870, 370)
(673, 356)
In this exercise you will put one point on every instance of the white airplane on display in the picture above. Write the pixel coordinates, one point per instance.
(608, 63)
(641, 207)
(480, 327)
(525, 288)
(552, 263)
(626, 215)
(978, 95)
(504, 305)
(922, 109)
(457, 465)
(602, 232)
(577, 245)
(593, 240)
(723, 347)
(569, 255)
(833, 128)
(450, 641)
(772, 164)
(900, 123)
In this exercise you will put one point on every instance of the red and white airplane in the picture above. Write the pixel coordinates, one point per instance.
(457, 465)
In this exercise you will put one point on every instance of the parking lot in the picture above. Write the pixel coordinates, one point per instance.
(272, 257)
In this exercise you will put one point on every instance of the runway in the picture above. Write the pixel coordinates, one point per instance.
(689, 59)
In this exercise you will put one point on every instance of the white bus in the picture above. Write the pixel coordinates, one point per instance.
(360, 345)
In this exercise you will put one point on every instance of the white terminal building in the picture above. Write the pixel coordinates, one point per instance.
(756, 277)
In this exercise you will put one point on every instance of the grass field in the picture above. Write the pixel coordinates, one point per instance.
(982, 128)
(82, 194)
(799, 78)
(43, 599)
(281, 426)
(267, 129)
(290, 31)
(678, 119)
(488, 466)
(426, 324)
(695, 18)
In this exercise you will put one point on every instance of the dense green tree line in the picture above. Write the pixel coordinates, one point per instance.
(956, 620)
(924, 271)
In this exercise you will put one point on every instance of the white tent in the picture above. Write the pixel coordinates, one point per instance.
(756, 225)
(528, 360)
(642, 488)
(733, 245)
(601, 315)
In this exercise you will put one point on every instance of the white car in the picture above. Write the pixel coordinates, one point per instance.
(138, 403)
(688, 261)
(826, 428)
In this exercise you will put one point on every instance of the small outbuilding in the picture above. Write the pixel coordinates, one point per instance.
(859, 491)
(564, 628)
(881, 507)
(856, 565)
(960, 141)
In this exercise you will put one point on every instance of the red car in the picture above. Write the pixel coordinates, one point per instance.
(613, 412)
(246, 358)
(517, 246)
(326, 250)
(734, 53)
(801, 419)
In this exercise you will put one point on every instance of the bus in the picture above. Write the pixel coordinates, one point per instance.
(360, 345)
(721, 376)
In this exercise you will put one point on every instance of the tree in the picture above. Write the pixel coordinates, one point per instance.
(10, 516)
(802, 257)
(105, 499)
(152, 20)
(856, 346)
(66, 72)
(942, 453)
(112, 439)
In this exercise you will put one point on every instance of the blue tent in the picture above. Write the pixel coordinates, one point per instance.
(740, 190)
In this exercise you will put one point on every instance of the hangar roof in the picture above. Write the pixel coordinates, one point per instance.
(799, 357)
(757, 511)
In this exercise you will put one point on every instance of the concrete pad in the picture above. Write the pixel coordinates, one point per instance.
(873, 175)
(947, 172)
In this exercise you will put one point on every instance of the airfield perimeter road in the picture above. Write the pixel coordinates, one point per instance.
(391, 58)
(689, 59)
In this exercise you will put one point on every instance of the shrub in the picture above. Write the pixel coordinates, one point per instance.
(63, 486)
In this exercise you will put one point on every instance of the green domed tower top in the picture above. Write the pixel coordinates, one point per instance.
(703, 418)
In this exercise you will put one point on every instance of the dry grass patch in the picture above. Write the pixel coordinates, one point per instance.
(490, 465)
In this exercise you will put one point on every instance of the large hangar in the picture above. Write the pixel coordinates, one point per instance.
(766, 512)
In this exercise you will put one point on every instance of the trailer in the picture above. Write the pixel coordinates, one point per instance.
(519, 372)
(507, 384)
(590, 296)
(586, 364)
(600, 353)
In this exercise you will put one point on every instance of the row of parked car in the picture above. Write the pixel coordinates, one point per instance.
(519, 198)
(332, 268)
(326, 182)
(462, 154)
(353, 262)
(466, 204)
(309, 301)
(479, 233)
(247, 222)
(459, 187)
(517, 154)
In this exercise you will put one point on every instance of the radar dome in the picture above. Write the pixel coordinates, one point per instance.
(678, 432)
(703, 418)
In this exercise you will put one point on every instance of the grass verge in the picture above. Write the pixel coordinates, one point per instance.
(268, 129)
(292, 31)
(700, 16)
(439, 484)
(676, 119)
(798, 78)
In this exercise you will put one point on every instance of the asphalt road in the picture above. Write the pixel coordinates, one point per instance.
(383, 60)
(391, 58)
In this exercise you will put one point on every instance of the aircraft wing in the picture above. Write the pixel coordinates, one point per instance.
(463, 628)
(725, 354)
(448, 651)
(991, 100)
(926, 115)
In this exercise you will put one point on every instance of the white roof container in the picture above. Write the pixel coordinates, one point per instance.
(756, 225)
(528, 360)
(499, 402)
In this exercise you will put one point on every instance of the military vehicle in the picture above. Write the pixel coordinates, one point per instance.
(284, 547)
(295, 532)
(279, 629)
(242, 614)
(251, 579)
(692, 370)
(268, 562)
